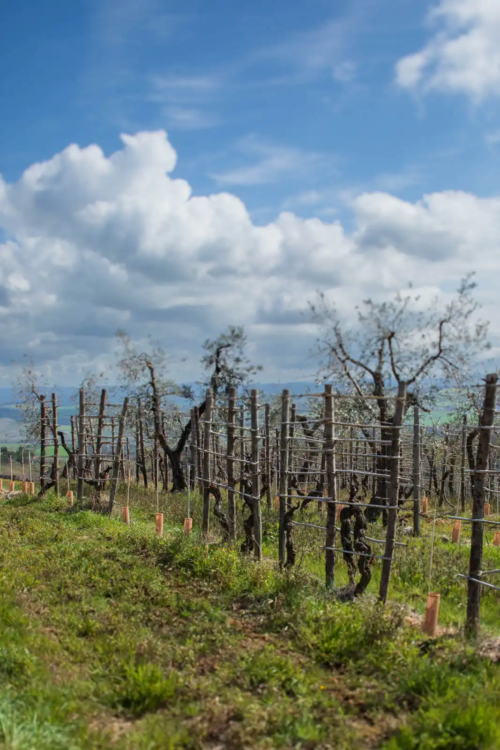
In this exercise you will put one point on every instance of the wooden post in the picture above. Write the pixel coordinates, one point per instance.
(463, 463)
(144, 468)
(199, 455)
(329, 446)
(231, 422)
(81, 448)
(478, 484)
(43, 440)
(137, 451)
(395, 459)
(56, 444)
(417, 473)
(283, 475)
(99, 442)
(291, 433)
(267, 427)
(117, 456)
(207, 427)
(257, 514)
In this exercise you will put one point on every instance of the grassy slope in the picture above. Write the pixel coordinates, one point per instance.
(111, 637)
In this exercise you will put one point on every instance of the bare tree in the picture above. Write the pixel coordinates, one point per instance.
(425, 345)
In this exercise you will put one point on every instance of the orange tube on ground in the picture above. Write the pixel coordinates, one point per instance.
(277, 502)
(496, 538)
(69, 495)
(12, 486)
(32, 488)
(487, 509)
(188, 525)
(431, 614)
(159, 524)
(425, 505)
(25, 486)
(455, 534)
(126, 515)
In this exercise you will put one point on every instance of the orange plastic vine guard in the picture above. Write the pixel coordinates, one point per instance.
(188, 525)
(455, 534)
(339, 508)
(32, 488)
(159, 524)
(487, 509)
(277, 502)
(12, 486)
(496, 538)
(1, 484)
(69, 495)
(126, 515)
(25, 486)
(425, 505)
(431, 614)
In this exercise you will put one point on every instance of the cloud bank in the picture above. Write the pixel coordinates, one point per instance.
(96, 242)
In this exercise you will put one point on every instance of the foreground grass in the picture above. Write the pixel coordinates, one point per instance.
(111, 637)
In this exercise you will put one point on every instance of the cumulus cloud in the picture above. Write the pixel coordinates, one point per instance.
(463, 53)
(99, 242)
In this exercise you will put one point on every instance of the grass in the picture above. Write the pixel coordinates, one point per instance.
(111, 637)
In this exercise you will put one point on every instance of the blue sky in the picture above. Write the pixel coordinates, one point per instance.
(322, 110)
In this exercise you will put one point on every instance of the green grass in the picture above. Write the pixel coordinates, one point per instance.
(113, 638)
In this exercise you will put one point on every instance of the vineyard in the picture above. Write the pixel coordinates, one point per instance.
(271, 568)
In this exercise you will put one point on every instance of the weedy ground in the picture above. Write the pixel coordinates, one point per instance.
(111, 637)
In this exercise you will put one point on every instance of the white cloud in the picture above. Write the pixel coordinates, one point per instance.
(101, 242)
(463, 53)
(266, 163)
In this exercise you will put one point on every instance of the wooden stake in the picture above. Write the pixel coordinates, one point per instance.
(431, 614)
(207, 427)
(283, 479)
(331, 488)
(257, 515)
(231, 423)
(159, 524)
(392, 505)
(455, 534)
(474, 589)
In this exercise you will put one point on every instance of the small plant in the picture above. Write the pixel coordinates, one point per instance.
(143, 688)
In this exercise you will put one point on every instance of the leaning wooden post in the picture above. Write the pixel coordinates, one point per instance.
(81, 448)
(478, 484)
(417, 470)
(463, 463)
(283, 475)
(118, 456)
(329, 446)
(267, 428)
(395, 459)
(56, 444)
(231, 423)
(257, 513)
(43, 440)
(207, 428)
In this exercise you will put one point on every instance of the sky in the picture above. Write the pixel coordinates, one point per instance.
(170, 168)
